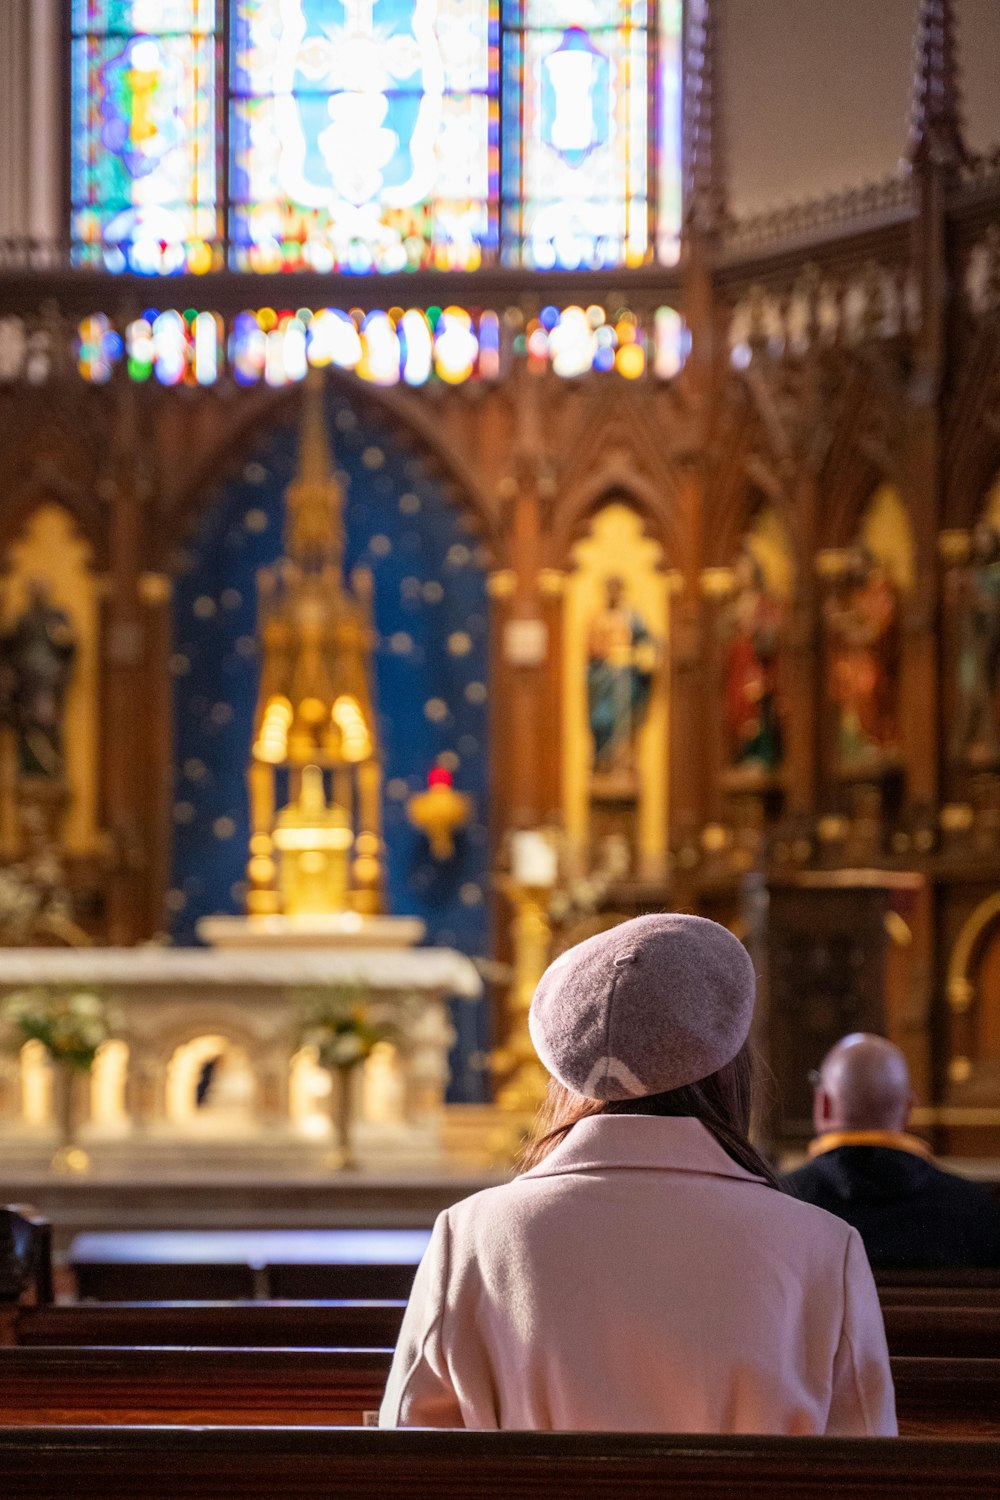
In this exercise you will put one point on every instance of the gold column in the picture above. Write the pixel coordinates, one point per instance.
(262, 875)
(368, 844)
(526, 1080)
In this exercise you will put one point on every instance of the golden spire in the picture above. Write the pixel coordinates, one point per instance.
(315, 722)
(314, 527)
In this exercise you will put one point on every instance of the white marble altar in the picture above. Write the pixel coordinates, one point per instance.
(268, 1108)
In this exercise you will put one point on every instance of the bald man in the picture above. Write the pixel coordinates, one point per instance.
(865, 1168)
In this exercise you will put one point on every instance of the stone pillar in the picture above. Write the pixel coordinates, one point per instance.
(31, 167)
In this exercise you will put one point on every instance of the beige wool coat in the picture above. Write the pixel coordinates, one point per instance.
(639, 1280)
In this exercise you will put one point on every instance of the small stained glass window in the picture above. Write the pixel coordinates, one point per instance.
(144, 159)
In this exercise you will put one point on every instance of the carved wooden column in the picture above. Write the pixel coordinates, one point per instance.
(127, 735)
(155, 591)
(688, 709)
(525, 638)
(803, 681)
(937, 153)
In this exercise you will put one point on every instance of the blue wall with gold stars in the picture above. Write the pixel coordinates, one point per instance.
(430, 685)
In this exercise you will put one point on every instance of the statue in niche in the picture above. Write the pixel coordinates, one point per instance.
(36, 661)
(861, 620)
(621, 662)
(753, 626)
(977, 734)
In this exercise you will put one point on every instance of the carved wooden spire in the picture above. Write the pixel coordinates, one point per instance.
(936, 135)
(314, 531)
(705, 167)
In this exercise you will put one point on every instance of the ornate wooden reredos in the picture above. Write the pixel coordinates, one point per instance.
(837, 350)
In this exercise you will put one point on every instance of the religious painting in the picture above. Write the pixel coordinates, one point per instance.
(863, 648)
(616, 625)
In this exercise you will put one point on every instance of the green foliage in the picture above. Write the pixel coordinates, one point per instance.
(342, 1023)
(71, 1024)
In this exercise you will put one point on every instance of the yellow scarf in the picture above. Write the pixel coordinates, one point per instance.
(896, 1140)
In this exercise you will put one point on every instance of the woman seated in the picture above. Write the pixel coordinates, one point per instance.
(645, 1272)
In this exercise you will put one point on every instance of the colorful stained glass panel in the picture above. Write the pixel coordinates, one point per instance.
(144, 84)
(575, 133)
(363, 134)
(668, 157)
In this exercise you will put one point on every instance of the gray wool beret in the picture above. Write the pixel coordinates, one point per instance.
(651, 1005)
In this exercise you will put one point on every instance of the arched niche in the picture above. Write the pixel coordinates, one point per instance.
(49, 549)
(108, 1079)
(768, 540)
(228, 1103)
(615, 546)
(973, 996)
(378, 1086)
(885, 531)
(991, 506)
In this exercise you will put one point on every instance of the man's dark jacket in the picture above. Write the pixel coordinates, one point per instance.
(909, 1212)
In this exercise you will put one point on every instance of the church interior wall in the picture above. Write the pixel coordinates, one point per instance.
(840, 394)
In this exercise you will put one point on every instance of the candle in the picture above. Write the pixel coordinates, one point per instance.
(533, 859)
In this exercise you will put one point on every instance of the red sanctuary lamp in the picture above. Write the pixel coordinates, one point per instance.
(439, 812)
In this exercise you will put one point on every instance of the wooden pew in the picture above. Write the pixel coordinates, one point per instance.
(212, 1387)
(327, 1325)
(243, 1263)
(927, 1331)
(325, 1464)
(344, 1387)
(959, 1280)
(943, 1332)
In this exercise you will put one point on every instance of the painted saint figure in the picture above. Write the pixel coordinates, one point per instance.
(753, 627)
(977, 736)
(621, 661)
(861, 621)
(38, 656)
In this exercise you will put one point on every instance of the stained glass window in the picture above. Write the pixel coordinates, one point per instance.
(575, 132)
(668, 130)
(385, 135)
(363, 133)
(144, 134)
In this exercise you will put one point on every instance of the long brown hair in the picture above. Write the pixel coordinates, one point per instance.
(723, 1103)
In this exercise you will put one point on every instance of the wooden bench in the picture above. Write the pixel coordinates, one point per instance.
(117, 1463)
(327, 1325)
(931, 1331)
(938, 1279)
(191, 1264)
(943, 1332)
(344, 1386)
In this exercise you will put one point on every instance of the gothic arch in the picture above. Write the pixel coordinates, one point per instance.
(749, 474)
(865, 451)
(616, 480)
(972, 447)
(411, 417)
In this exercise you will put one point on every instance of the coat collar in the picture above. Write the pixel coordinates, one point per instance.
(660, 1143)
(894, 1140)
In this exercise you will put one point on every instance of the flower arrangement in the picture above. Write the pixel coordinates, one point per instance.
(70, 1024)
(342, 1024)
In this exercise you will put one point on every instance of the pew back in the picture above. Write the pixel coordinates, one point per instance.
(344, 1387)
(315, 1464)
(966, 1331)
